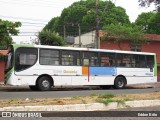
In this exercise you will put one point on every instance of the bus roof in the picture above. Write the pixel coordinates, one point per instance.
(80, 49)
(92, 50)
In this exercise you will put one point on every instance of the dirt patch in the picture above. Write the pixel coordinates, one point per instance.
(79, 100)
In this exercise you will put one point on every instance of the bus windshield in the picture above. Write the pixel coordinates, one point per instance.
(9, 64)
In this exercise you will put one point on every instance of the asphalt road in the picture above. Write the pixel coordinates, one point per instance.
(25, 92)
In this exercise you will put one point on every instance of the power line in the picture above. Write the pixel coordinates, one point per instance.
(28, 19)
(45, 4)
(27, 1)
(19, 3)
(36, 1)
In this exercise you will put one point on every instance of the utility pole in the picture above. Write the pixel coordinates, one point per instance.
(97, 42)
(64, 32)
(79, 29)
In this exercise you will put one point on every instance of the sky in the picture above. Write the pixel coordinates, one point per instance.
(35, 14)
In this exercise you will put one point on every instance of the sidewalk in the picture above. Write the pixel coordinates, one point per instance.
(91, 106)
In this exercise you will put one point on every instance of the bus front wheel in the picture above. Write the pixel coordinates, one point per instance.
(44, 83)
(119, 82)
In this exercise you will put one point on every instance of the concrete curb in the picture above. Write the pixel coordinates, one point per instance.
(84, 107)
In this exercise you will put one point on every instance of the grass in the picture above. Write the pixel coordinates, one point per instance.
(93, 94)
(102, 98)
(107, 101)
(106, 96)
(76, 97)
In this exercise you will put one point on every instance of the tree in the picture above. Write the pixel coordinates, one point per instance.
(147, 3)
(83, 14)
(132, 33)
(7, 29)
(150, 22)
(154, 25)
(48, 37)
(144, 19)
(52, 25)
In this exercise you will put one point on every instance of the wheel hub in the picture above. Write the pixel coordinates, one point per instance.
(120, 83)
(45, 83)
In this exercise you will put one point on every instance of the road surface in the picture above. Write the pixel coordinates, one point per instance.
(25, 92)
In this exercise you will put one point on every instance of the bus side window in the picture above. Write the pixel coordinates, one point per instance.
(150, 61)
(49, 57)
(90, 58)
(107, 59)
(70, 58)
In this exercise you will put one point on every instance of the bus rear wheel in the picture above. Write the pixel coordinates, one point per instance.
(119, 82)
(44, 83)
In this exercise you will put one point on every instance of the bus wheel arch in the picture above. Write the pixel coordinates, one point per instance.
(44, 82)
(120, 82)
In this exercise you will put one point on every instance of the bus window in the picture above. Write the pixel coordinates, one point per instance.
(140, 61)
(123, 60)
(119, 58)
(70, 57)
(25, 58)
(90, 59)
(94, 59)
(150, 61)
(107, 59)
(126, 60)
(49, 57)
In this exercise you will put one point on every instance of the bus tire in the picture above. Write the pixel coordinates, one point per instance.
(119, 82)
(44, 83)
(33, 88)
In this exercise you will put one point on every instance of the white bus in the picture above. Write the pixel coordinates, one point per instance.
(42, 67)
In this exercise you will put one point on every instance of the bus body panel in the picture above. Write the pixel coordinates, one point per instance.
(137, 75)
(132, 75)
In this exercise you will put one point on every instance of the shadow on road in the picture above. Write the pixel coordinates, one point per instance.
(27, 89)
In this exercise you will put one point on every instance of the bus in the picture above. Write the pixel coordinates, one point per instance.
(42, 67)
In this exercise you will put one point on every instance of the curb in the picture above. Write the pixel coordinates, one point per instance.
(84, 107)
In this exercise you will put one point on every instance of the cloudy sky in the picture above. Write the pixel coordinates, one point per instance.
(35, 14)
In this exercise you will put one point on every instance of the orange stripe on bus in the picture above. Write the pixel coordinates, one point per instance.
(84, 70)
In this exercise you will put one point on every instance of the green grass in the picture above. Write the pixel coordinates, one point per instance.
(107, 101)
(76, 97)
(106, 96)
(93, 95)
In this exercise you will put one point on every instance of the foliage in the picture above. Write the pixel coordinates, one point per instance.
(48, 37)
(52, 25)
(7, 28)
(150, 22)
(147, 3)
(144, 19)
(83, 13)
(153, 26)
(131, 32)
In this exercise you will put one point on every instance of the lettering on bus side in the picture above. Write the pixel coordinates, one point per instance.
(70, 71)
